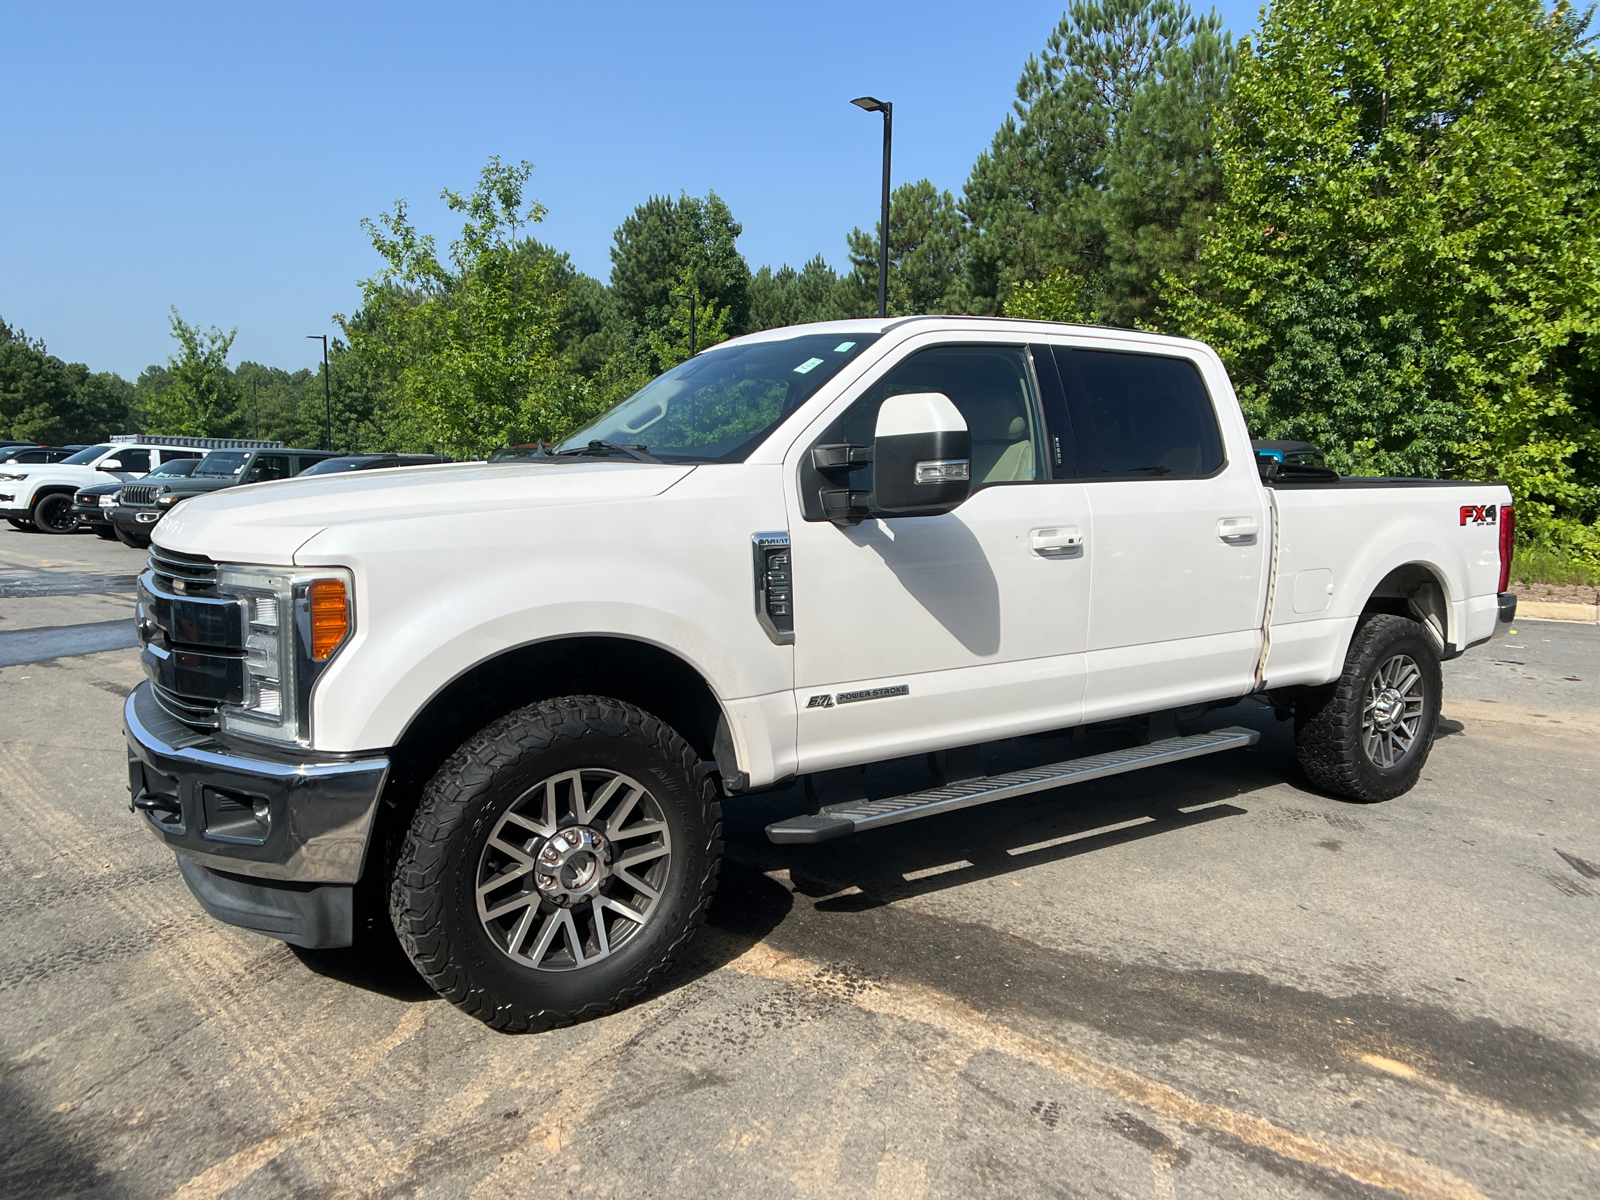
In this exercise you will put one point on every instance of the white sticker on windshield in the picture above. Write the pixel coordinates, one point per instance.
(809, 364)
(842, 347)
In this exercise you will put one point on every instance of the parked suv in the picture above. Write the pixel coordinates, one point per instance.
(139, 507)
(40, 496)
(93, 505)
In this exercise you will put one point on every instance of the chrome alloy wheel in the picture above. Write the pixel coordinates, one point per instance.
(1391, 717)
(573, 869)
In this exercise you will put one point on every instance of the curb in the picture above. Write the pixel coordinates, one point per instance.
(1553, 610)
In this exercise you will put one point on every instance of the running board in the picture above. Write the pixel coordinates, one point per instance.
(841, 820)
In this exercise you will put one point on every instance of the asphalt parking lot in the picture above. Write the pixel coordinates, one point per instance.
(1200, 980)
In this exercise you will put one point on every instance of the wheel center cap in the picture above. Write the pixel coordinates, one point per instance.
(1387, 708)
(572, 865)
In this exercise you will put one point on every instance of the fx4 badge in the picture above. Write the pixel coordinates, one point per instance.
(1478, 514)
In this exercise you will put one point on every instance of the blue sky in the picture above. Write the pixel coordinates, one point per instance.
(220, 158)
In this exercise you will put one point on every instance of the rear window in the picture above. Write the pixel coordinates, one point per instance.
(1135, 416)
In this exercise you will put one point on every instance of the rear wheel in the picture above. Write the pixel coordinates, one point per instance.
(557, 863)
(1368, 735)
(138, 541)
(53, 514)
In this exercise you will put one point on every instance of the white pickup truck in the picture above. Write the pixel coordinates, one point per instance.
(513, 696)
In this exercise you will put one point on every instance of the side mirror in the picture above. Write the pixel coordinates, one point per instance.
(110, 464)
(921, 455)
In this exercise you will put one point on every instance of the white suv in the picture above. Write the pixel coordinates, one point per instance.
(39, 496)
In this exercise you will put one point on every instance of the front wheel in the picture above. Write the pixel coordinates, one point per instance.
(557, 863)
(105, 531)
(1367, 735)
(136, 540)
(53, 514)
(21, 523)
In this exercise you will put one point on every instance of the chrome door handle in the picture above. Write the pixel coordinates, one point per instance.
(1237, 530)
(1063, 541)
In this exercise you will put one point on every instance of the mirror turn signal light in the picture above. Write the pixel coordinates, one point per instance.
(330, 617)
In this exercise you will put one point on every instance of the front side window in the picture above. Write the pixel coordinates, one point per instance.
(990, 385)
(268, 467)
(1138, 416)
(720, 405)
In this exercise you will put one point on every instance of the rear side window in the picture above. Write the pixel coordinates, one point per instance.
(137, 461)
(1138, 416)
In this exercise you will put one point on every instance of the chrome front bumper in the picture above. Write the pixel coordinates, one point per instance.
(304, 820)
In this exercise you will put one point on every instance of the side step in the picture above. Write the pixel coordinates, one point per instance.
(840, 820)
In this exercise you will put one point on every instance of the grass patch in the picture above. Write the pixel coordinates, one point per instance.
(1540, 564)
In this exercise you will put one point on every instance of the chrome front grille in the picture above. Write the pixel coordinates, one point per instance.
(187, 652)
(188, 573)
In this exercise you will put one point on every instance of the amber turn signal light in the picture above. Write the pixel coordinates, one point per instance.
(330, 617)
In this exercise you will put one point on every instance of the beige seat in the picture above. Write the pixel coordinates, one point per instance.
(1002, 451)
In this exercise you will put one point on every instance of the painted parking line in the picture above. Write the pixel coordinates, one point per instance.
(66, 641)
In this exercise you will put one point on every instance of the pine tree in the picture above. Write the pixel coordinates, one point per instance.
(1406, 270)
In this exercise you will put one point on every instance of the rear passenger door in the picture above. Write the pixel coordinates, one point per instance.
(1178, 548)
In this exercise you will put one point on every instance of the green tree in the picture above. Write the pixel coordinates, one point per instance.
(926, 254)
(1107, 168)
(662, 240)
(1406, 270)
(790, 297)
(201, 397)
(1057, 297)
(469, 344)
(44, 399)
(670, 346)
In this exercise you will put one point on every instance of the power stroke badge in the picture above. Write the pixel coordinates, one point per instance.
(877, 693)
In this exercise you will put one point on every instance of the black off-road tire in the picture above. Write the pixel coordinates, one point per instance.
(53, 514)
(1328, 720)
(136, 541)
(433, 880)
(105, 531)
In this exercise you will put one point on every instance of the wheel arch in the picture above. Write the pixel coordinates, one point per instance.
(1420, 591)
(637, 672)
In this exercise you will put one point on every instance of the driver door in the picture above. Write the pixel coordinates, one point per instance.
(917, 633)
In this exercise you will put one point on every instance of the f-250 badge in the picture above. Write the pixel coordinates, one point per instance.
(1478, 514)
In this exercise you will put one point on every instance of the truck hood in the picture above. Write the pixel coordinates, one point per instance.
(267, 522)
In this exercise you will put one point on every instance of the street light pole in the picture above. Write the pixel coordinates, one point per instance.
(690, 297)
(327, 397)
(872, 104)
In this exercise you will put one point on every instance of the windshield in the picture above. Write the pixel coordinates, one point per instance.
(220, 463)
(720, 405)
(84, 457)
(329, 466)
(175, 466)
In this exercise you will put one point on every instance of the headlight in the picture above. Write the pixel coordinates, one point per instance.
(167, 501)
(109, 501)
(296, 621)
(11, 477)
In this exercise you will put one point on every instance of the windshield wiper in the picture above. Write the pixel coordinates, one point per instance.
(601, 449)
